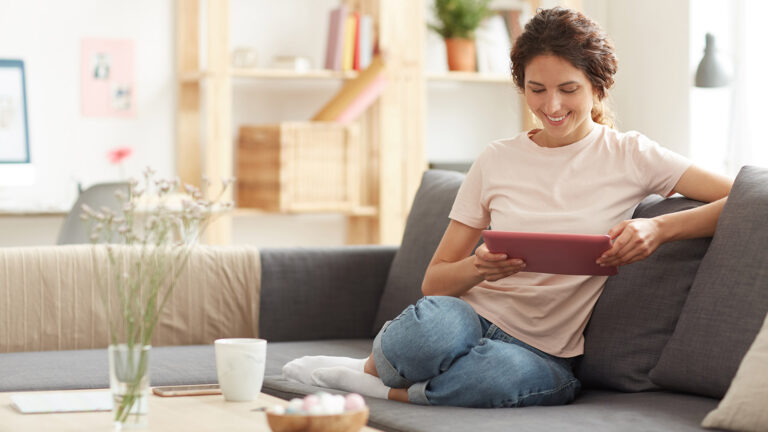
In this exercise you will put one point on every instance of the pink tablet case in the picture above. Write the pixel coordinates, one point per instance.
(571, 254)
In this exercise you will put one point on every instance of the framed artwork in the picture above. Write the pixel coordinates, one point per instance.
(14, 128)
(107, 86)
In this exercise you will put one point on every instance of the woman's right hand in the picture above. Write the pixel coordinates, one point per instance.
(493, 266)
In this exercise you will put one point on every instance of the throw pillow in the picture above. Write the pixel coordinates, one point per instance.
(424, 228)
(744, 406)
(728, 300)
(638, 309)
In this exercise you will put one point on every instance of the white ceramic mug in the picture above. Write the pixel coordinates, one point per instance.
(240, 367)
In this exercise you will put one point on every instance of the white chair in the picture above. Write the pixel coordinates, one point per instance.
(73, 230)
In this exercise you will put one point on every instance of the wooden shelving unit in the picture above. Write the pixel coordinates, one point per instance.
(392, 130)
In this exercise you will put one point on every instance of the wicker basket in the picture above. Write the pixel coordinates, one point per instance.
(299, 167)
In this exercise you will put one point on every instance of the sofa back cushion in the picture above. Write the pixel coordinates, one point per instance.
(638, 309)
(51, 298)
(424, 228)
(728, 299)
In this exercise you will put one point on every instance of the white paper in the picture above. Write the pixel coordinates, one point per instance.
(31, 403)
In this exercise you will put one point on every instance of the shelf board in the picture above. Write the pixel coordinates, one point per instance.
(191, 77)
(281, 74)
(359, 211)
(473, 77)
(291, 74)
(323, 74)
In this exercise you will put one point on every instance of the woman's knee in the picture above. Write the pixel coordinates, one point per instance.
(427, 337)
(438, 321)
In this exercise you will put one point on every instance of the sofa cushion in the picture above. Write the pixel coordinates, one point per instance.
(593, 410)
(321, 293)
(743, 407)
(729, 297)
(638, 309)
(85, 369)
(424, 228)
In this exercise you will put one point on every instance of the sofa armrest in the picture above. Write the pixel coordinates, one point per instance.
(329, 293)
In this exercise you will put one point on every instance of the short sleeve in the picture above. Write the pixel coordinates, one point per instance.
(657, 168)
(468, 207)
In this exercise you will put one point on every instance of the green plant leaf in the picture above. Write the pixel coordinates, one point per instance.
(459, 18)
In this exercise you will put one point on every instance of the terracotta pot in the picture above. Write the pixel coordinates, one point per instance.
(461, 54)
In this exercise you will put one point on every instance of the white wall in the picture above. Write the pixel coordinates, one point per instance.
(653, 83)
(68, 148)
(65, 146)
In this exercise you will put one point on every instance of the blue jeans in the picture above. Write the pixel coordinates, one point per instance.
(444, 353)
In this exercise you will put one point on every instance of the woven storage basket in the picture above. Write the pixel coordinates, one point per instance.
(299, 167)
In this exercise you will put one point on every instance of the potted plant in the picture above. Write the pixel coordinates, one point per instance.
(458, 21)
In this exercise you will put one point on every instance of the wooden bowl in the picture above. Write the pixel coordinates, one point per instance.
(351, 421)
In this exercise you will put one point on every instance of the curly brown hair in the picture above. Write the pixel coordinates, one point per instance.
(572, 36)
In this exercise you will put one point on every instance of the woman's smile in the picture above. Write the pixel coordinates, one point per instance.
(555, 120)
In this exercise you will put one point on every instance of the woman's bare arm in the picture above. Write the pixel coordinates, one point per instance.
(453, 269)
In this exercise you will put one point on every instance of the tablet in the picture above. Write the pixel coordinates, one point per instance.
(570, 254)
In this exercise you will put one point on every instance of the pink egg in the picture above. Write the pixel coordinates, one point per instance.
(310, 401)
(354, 402)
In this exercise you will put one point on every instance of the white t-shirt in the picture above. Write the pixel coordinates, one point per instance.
(583, 188)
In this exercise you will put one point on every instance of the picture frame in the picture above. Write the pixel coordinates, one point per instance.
(14, 123)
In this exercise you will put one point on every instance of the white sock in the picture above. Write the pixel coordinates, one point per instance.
(300, 369)
(342, 378)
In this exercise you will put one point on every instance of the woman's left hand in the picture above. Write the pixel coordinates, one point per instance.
(633, 240)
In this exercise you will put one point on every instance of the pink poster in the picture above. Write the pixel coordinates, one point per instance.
(106, 78)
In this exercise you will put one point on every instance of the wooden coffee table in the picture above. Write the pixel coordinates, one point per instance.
(192, 413)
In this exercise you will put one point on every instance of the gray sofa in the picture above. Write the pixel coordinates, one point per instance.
(663, 343)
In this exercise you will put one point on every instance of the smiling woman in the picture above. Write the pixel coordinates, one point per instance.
(489, 332)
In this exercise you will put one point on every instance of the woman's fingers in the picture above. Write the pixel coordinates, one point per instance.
(635, 241)
(495, 270)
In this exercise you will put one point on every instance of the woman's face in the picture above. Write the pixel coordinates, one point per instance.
(561, 96)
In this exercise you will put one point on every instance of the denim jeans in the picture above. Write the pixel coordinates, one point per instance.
(446, 354)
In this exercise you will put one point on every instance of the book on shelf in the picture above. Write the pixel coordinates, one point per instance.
(365, 40)
(334, 48)
(513, 20)
(347, 60)
(355, 95)
(493, 46)
(356, 49)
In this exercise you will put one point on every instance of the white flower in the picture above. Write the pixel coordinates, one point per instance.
(149, 172)
(88, 210)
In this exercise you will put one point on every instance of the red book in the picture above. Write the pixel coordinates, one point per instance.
(356, 59)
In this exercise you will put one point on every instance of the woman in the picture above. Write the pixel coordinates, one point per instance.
(487, 333)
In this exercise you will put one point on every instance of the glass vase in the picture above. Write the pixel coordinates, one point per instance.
(129, 383)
